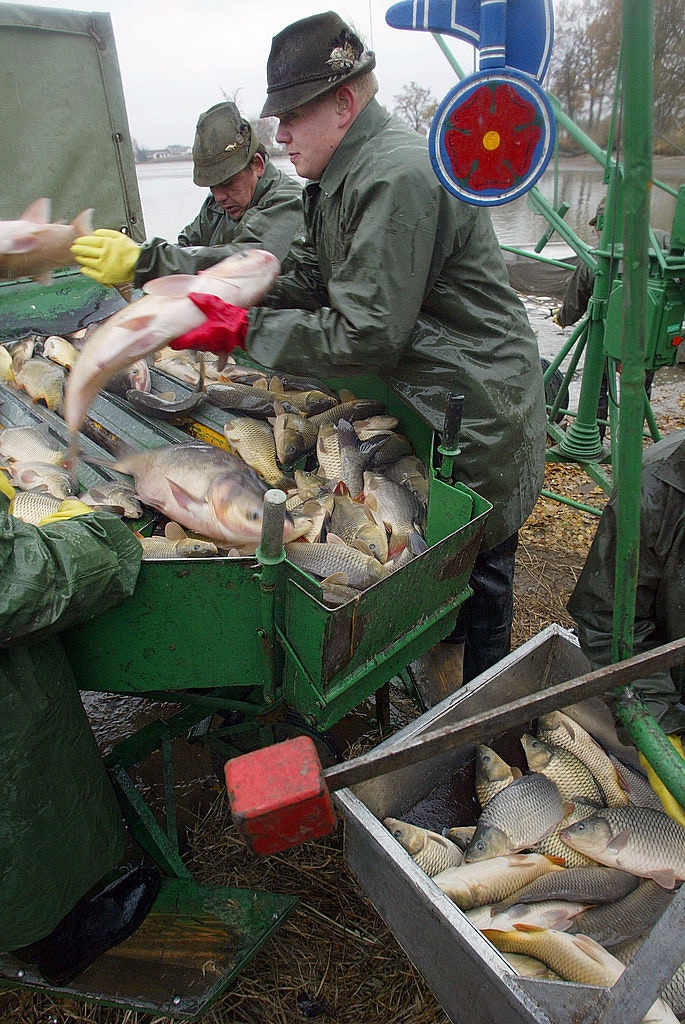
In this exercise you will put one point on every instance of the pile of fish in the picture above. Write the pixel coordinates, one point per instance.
(357, 494)
(569, 865)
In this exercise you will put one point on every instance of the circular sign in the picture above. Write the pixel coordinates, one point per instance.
(492, 136)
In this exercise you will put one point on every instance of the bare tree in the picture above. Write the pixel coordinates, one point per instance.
(585, 60)
(416, 107)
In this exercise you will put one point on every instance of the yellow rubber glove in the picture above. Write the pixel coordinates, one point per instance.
(107, 256)
(67, 509)
(669, 804)
(5, 486)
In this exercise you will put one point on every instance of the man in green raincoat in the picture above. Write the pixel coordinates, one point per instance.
(396, 277)
(660, 594)
(251, 204)
(61, 830)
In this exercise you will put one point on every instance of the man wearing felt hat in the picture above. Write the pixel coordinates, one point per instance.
(251, 204)
(396, 277)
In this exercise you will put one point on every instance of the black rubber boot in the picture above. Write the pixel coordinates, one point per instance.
(94, 925)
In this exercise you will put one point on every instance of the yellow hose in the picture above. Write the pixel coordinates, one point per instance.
(669, 804)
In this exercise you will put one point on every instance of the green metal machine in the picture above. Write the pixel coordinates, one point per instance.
(634, 323)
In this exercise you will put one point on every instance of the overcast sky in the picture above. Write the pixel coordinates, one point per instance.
(179, 57)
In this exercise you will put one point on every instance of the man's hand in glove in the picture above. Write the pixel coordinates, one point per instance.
(107, 256)
(224, 329)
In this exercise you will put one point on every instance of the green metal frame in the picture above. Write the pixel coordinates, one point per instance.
(624, 307)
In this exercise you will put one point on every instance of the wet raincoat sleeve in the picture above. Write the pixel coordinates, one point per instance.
(378, 274)
(59, 575)
(271, 222)
(660, 594)
(576, 296)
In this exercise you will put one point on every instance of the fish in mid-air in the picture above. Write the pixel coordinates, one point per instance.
(33, 247)
(163, 314)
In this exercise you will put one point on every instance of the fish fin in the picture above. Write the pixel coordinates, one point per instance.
(346, 396)
(590, 948)
(664, 877)
(166, 396)
(276, 385)
(174, 531)
(83, 225)
(38, 212)
(181, 496)
(138, 323)
(417, 544)
(521, 926)
(516, 772)
(568, 807)
(361, 545)
(341, 579)
(260, 384)
(552, 857)
(620, 840)
(342, 490)
(279, 409)
(174, 285)
(333, 538)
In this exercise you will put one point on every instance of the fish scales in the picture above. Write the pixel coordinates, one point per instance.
(574, 779)
(492, 880)
(554, 846)
(352, 521)
(646, 842)
(206, 489)
(518, 816)
(349, 566)
(41, 379)
(430, 851)
(596, 884)
(575, 958)
(559, 730)
(32, 506)
(632, 915)
(254, 440)
(30, 444)
(42, 476)
(554, 913)
(492, 774)
(296, 435)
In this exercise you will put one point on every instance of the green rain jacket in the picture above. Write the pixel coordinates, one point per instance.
(60, 826)
(396, 277)
(271, 222)
(660, 594)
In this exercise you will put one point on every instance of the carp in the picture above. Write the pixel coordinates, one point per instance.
(647, 843)
(206, 489)
(34, 247)
(518, 816)
(492, 774)
(429, 850)
(474, 885)
(164, 313)
(176, 544)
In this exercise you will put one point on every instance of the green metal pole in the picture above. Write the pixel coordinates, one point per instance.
(638, 47)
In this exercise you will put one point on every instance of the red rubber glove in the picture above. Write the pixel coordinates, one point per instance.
(224, 329)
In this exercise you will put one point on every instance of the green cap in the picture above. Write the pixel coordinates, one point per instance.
(224, 144)
(311, 57)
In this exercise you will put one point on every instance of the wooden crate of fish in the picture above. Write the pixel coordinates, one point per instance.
(519, 870)
(345, 617)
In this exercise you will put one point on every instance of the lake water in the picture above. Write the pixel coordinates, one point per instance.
(171, 200)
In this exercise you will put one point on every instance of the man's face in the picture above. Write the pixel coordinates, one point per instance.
(311, 135)
(235, 194)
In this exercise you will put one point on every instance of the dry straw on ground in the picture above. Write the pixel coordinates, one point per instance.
(333, 959)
